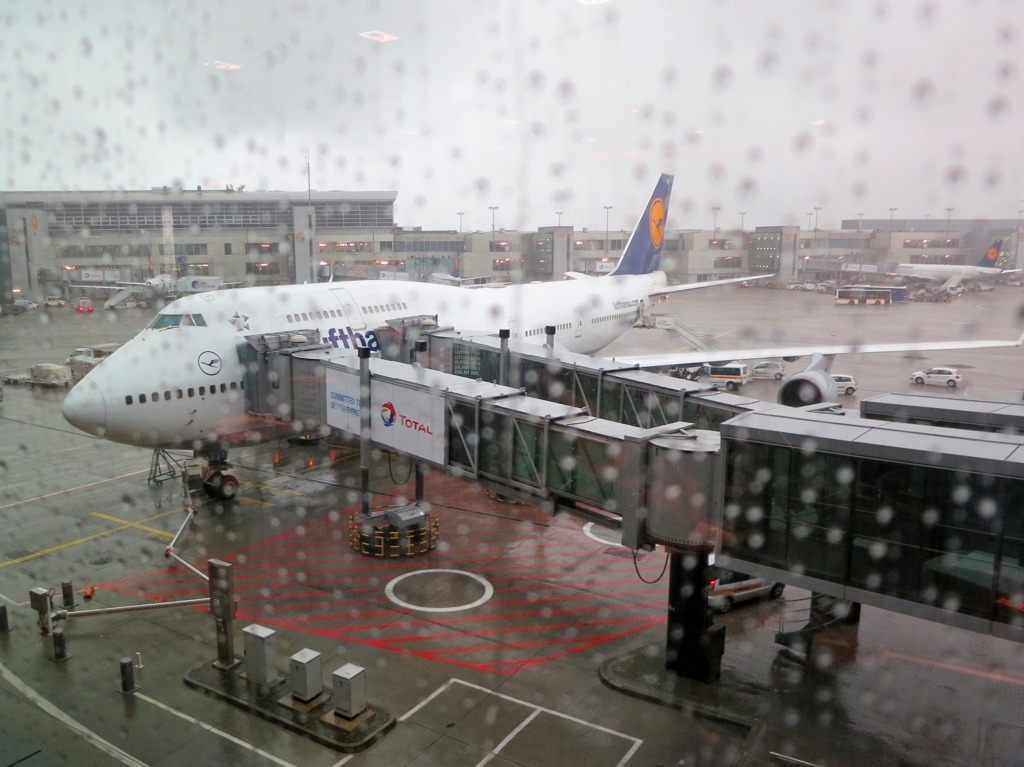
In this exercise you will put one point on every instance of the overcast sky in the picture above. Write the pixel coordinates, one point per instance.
(533, 106)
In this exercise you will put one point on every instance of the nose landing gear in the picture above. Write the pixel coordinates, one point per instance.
(216, 483)
(220, 485)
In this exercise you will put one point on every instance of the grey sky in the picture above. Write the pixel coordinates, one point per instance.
(533, 106)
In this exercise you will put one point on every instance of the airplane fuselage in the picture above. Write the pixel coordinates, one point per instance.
(178, 382)
(942, 272)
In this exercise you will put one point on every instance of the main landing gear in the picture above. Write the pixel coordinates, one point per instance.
(216, 483)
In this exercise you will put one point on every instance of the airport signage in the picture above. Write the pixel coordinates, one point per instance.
(851, 267)
(407, 420)
(97, 275)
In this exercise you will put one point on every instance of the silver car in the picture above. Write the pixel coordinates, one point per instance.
(774, 370)
(728, 587)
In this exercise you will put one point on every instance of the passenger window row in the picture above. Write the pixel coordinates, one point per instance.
(540, 331)
(326, 314)
(384, 308)
(181, 393)
(614, 317)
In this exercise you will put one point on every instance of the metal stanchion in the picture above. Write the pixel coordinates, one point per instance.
(364, 427)
(68, 591)
(5, 624)
(222, 605)
(128, 685)
(503, 336)
(60, 645)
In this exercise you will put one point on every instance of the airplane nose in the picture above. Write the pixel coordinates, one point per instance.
(85, 409)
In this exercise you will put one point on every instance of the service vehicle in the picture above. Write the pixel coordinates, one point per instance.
(84, 359)
(84, 305)
(24, 303)
(733, 375)
(774, 370)
(728, 587)
(55, 301)
(846, 384)
(44, 374)
(810, 287)
(938, 376)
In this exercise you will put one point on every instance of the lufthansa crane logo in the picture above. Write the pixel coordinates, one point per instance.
(992, 254)
(209, 363)
(656, 219)
(388, 414)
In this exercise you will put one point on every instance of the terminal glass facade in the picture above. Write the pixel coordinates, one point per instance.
(949, 539)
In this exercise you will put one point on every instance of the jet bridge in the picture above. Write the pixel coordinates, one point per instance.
(604, 470)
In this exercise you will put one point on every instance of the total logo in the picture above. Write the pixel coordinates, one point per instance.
(390, 416)
(336, 335)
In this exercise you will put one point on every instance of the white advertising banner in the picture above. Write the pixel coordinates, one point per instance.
(387, 274)
(407, 420)
(605, 267)
(111, 275)
(869, 268)
(851, 267)
(402, 276)
(90, 275)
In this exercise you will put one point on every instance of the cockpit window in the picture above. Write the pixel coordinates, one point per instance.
(165, 321)
(176, 320)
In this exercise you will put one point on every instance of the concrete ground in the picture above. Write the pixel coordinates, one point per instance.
(512, 681)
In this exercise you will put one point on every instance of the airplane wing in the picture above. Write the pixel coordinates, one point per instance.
(578, 276)
(666, 289)
(699, 358)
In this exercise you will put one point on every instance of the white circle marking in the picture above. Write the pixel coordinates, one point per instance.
(588, 530)
(389, 592)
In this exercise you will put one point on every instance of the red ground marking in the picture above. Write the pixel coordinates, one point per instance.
(517, 548)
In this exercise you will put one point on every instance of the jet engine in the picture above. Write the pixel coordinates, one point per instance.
(811, 387)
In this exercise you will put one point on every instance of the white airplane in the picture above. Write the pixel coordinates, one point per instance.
(944, 272)
(165, 284)
(178, 382)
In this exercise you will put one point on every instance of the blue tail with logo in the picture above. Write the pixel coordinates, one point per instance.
(991, 255)
(643, 251)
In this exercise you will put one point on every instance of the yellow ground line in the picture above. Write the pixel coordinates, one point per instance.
(87, 538)
(258, 502)
(138, 525)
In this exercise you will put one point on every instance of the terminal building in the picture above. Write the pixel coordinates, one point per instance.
(55, 242)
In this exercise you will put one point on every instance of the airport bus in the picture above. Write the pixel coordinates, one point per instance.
(876, 295)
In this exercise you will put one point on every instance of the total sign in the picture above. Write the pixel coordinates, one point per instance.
(407, 420)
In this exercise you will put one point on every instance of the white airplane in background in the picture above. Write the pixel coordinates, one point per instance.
(178, 382)
(986, 267)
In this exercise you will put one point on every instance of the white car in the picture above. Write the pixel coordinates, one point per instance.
(55, 301)
(846, 384)
(939, 376)
(774, 370)
(24, 303)
(727, 587)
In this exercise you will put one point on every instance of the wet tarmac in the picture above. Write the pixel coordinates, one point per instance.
(515, 613)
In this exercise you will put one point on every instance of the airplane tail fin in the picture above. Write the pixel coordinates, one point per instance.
(643, 251)
(991, 255)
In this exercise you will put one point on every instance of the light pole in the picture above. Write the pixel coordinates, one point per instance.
(860, 221)
(891, 212)
(493, 208)
(743, 213)
(606, 209)
(714, 231)
(809, 221)
(816, 209)
(460, 214)
(559, 214)
(949, 212)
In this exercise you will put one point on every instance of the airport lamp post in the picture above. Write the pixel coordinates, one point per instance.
(460, 214)
(816, 209)
(949, 212)
(606, 209)
(860, 221)
(714, 220)
(743, 214)
(493, 208)
(809, 221)
(891, 212)
(559, 214)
